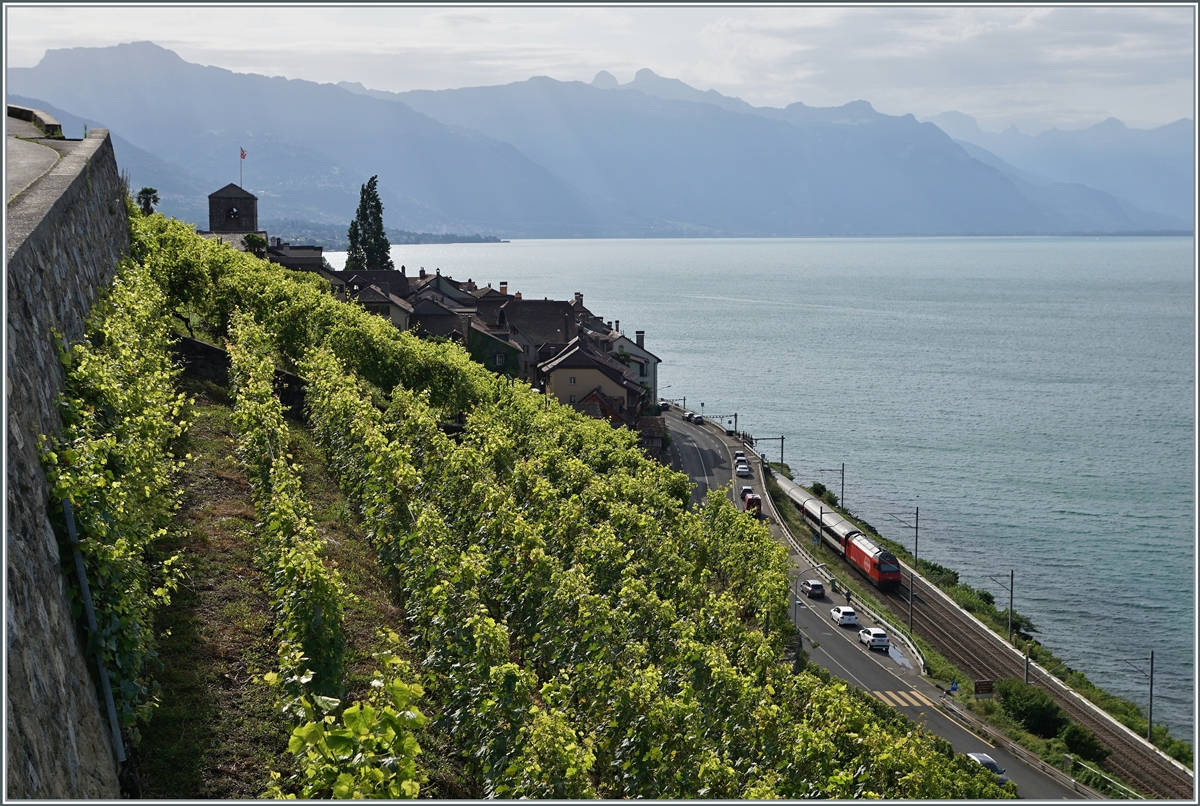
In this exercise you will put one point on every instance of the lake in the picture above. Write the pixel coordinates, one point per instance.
(1033, 396)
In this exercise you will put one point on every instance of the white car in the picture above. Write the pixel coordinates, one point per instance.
(844, 616)
(874, 638)
(743, 470)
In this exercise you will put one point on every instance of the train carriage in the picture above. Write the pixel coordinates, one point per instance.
(878, 565)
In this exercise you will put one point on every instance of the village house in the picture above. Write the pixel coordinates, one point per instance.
(585, 378)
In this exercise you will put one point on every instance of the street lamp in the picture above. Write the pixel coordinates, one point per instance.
(1010, 600)
(1150, 710)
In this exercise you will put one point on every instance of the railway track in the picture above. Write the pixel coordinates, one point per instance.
(984, 655)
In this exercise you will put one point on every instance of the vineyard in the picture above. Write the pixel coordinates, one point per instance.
(569, 629)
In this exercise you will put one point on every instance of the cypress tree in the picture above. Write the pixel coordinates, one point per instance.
(369, 249)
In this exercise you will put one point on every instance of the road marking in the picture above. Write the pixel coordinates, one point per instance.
(921, 697)
(903, 699)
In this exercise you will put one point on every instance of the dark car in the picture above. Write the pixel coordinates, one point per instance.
(812, 588)
(664, 405)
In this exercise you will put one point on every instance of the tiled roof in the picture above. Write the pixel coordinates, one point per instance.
(498, 336)
(231, 191)
(375, 294)
(393, 281)
(540, 321)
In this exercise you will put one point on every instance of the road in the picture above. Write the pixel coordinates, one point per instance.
(706, 455)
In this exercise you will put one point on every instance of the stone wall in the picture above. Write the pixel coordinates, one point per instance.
(65, 235)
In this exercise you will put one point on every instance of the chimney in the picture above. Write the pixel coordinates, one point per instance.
(578, 298)
(608, 324)
(518, 295)
(401, 269)
(640, 336)
(504, 286)
(618, 327)
(422, 275)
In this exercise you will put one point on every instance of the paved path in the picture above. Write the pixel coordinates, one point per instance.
(25, 162)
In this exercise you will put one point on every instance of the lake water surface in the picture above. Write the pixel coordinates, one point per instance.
(1035, 397)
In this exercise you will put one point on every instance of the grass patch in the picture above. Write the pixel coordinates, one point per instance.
(215, 733)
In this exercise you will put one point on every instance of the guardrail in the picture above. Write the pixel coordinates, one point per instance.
(979, 726)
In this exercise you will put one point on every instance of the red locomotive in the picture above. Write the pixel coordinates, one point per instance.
(879, 565)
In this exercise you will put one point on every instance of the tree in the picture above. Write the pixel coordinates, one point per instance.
(146, 199)
(255, 244)
(1033, 707)
(369, 248)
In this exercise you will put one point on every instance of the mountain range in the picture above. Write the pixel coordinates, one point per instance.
(548, 158)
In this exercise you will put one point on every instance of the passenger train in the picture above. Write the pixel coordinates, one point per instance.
(877, 564)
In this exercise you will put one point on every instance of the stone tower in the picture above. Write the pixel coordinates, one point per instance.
(232, 209)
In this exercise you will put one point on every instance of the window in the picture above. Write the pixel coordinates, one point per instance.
(571, 381)
(572, 398)
(643, 368)
(500, 360)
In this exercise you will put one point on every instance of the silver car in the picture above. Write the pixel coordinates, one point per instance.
(990, 763)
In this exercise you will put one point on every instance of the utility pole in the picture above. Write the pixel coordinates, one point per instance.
(842, 498)
(1150, 710)
(916, 527)
(1011, 572)
(1010, 601)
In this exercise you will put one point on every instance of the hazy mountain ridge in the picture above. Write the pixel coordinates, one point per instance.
(321, 142)
(848, 170)
(545, 158)
(1149, 168)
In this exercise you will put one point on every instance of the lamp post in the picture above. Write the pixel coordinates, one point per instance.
(772, 439)
(1150, 709)
(1010, 600)
(916, 527)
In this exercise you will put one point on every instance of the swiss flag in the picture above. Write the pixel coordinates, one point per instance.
(243, 153)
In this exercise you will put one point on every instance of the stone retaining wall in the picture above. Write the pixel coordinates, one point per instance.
(65, 235)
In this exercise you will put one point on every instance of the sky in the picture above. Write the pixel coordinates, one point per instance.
(1035, 67)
